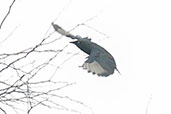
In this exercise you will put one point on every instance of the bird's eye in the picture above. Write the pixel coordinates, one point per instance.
(78, 42)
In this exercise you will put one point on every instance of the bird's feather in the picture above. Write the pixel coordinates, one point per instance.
(99, 63)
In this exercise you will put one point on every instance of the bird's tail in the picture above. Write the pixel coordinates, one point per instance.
(61, 31)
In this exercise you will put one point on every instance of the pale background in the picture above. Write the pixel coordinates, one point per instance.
(138, 36)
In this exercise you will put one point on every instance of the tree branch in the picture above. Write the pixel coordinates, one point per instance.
(3, 110)
(7, 13)
(148, 104)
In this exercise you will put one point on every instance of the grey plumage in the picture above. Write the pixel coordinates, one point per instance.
(99, 61)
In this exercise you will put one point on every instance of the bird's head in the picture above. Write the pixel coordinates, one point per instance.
(84, 44)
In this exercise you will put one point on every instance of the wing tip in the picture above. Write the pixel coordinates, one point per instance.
(96, 70)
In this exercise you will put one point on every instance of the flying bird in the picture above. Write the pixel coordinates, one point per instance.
(99, 61)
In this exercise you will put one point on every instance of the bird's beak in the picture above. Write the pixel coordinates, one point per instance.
(74, 42)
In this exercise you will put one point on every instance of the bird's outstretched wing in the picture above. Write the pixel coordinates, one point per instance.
(100, 63)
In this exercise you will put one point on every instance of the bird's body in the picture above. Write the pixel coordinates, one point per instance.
(99, 61)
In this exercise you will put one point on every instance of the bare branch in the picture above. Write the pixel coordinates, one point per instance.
(5, 39)
(3, 110)
(147, 108)
(7, 13)
(96, 30)
(23, 90)
(20, 85)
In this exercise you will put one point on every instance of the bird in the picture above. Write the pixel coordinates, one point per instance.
(99, 60)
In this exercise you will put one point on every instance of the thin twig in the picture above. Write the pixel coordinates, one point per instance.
(9, 35)
(96, 30)
(7, 13)
(3, 110)
(147, 108)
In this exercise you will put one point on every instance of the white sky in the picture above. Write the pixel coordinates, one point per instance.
(139, 39)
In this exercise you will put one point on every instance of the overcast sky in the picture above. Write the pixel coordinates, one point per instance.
(136, 32)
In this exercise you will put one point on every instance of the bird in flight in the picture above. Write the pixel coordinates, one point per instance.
(99, 61)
